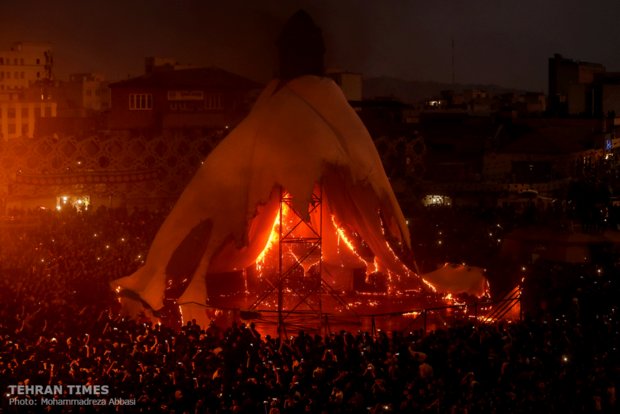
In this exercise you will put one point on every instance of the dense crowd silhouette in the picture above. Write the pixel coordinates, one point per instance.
(58, 326)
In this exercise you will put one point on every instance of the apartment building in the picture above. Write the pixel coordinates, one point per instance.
(24, 64)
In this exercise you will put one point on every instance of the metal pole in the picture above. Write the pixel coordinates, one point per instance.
(280, 275)
(320, 284)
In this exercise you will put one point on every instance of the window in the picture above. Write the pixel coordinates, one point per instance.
(22, 75)
(213, 101)
(24, 130)
(140, 101)
(38, 61)
(24, 112)
(10, 113)
(37, 112)
(1, 61)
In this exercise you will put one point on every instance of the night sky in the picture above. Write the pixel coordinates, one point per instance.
(503, 42)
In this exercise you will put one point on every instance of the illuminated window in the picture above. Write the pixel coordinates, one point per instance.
(140, 101)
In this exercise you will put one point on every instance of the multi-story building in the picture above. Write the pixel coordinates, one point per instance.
(24, 64)
(18, 116)
(570, 85)
(89, 91)
(606, 95)
(201, 98)
(21, 68)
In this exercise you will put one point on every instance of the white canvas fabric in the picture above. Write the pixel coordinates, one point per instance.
(299, 134)
(457, 279)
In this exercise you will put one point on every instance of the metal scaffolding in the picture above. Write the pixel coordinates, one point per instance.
(298, 285)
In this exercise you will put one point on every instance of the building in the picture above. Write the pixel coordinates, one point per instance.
(350, 83)
(89, 91)
(158, 63)
(199, 99)
(24, 64)
(570, 85)
(543, 154)
(22, 104)
(606, 93)
(18, 117)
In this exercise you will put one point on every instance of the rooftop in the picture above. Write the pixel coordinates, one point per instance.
(208, 78)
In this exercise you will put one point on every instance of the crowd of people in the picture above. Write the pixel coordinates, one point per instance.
(58, 325)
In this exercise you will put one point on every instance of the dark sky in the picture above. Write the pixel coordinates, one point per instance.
(504, 42)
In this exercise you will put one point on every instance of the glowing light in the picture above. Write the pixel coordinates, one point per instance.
(273, 238)
(343, 236)
(436, 200)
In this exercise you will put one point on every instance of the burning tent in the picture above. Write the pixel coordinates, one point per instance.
(300, 136)
(457, 279)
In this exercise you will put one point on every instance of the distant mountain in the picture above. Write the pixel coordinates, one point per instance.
(415, 91)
